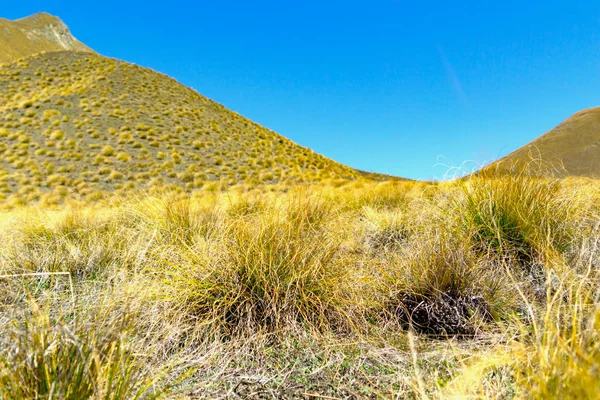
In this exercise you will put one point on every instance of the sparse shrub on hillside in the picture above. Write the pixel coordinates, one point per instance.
(108, 151)
(57, 135)
(124, 157)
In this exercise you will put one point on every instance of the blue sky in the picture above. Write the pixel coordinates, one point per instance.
(400, 87)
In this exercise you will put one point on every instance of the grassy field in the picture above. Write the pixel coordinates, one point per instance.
(480, 288)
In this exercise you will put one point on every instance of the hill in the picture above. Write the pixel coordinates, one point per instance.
(35, 34)
(570, 149)
(80, 124)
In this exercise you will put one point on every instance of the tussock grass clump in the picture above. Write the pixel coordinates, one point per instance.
(309, 212)
(45, 357)
(563, 355)
(176, 219)
(246, 206)
(383, 196)
(440, 287)
(554, 353)
(85, 245)
(517, 217)
(561, 351)
(269, 272)
(385, 230)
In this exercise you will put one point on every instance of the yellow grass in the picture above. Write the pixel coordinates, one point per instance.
(478, 288)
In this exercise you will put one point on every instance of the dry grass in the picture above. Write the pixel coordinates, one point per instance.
(482, 288)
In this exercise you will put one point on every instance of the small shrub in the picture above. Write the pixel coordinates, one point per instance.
(108, 151)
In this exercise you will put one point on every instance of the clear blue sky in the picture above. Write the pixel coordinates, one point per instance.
(381, 85)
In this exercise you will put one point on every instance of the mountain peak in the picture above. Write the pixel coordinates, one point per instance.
(37, 33)
(40, 19)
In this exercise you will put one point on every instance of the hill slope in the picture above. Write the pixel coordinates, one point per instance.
(570, 149)
(35, 34)
(82, 124)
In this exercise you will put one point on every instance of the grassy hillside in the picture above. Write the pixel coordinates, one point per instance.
(35, 34)
(80, 125)
(570, 149)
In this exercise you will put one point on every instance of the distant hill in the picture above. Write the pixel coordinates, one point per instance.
(79, 124)
(570, 149)
(35, 34)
